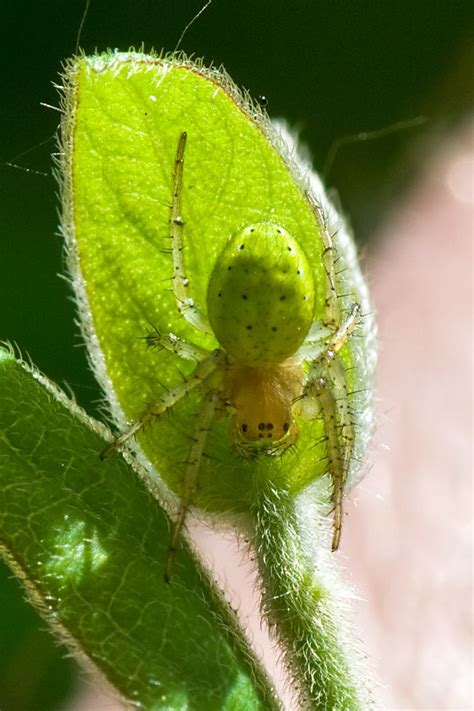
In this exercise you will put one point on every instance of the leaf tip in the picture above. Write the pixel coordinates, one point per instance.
(6, 352)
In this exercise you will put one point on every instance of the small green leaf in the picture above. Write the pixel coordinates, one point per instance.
(124, 114)
(89, 542)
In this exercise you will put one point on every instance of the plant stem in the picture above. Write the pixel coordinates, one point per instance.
(300, 601)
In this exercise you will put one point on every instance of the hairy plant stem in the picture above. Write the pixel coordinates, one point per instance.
(299, 600)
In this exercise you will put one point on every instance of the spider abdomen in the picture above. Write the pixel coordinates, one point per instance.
(261, 295)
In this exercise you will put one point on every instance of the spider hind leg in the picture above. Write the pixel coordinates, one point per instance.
(204, 421)
(200, 374)
(325, 394)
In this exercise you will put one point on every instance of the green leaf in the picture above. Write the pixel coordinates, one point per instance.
(89, 543)
(124, 116)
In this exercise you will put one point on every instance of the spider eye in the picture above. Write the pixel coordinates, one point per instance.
(244, 427)
(286, 427)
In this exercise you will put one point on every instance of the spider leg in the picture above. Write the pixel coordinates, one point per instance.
(201, 372)
(204, 421)
(186, 305)
(327, 388)
(331, 394)
(314, 350)
(329, 259)
(176, 345)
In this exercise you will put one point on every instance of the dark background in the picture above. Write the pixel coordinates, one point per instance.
(332, 69)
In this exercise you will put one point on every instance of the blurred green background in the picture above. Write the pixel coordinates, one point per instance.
(332, 69)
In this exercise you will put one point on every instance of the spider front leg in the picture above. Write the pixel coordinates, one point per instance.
(202, 371)
(186, 305)
(204, 421)
(325, 394)
(176, 345)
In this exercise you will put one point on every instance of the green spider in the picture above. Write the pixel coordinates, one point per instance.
(274, 361)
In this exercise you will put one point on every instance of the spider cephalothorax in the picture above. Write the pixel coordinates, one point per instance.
(271, 359)
(263, 399)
